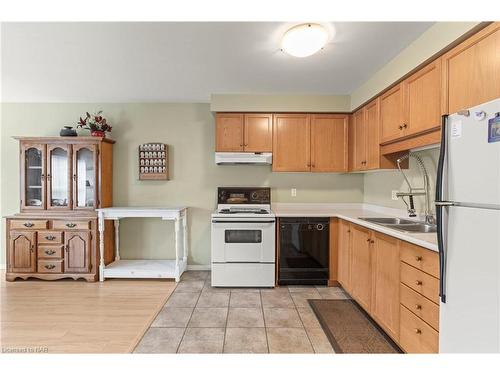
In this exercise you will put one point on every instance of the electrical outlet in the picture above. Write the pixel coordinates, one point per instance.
(394, 196)
(293, 192)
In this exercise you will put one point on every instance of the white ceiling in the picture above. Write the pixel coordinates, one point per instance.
(186, 62)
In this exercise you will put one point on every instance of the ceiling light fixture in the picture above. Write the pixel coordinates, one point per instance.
(304, 40)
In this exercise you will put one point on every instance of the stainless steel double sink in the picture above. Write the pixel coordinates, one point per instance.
(402, 225)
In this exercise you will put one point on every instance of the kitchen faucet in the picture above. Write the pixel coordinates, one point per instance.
(429, 218)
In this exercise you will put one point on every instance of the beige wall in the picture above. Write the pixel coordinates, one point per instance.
(429, 43)
(188, 129)
(378, 185)
(279, 103)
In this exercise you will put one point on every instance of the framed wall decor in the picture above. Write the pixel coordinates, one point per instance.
(153, 161)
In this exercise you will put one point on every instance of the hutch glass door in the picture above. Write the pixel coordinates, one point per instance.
(58, 176)
(84, 176)
(33, 161)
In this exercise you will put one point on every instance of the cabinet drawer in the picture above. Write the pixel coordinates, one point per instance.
(50, 237)
(420, 306)
(421, 282)
(50, 251)
(415, 335)
(71, 224)
(420, 258)
(28, 224)
(50, 266)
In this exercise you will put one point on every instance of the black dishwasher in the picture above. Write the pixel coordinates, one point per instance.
(304, 251)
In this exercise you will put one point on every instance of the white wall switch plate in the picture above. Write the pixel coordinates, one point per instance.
(293, 192)
(393, 195)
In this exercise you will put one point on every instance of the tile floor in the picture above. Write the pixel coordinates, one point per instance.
(198, 318)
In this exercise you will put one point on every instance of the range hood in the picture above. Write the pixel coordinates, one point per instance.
(262, 158)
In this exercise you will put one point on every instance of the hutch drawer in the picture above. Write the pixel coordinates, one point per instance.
(71, 224)
(50, 237)
(50, 266)
(50, 251)
(28, 224)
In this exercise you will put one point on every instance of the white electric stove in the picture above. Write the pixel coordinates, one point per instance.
(243, 238)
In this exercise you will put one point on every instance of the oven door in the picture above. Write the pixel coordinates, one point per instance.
(243, 241)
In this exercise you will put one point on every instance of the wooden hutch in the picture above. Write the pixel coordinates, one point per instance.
(63, 181)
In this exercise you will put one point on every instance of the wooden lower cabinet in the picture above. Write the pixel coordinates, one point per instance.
(380, 273)
(49, 253)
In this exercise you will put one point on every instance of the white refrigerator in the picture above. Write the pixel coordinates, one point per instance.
(468, 217)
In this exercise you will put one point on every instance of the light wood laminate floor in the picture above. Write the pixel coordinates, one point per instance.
(78, 317)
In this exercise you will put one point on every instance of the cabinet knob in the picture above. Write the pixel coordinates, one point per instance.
(66, 248)
(74, 176)
(418, 282)
(368, 240)
(372, 241)
(50, 252)
(405, 126)
(50, 238)
(70, 225)
(28, 224)
(49, 176)
(50, 266)
(418, 307)
(32, 248)
(418, 331)
(418, 258)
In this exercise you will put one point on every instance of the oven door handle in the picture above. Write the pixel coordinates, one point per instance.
(243, 221)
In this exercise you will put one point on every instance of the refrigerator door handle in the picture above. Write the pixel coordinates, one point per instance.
(439, 211)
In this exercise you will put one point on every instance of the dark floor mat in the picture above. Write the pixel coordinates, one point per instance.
(349, 329)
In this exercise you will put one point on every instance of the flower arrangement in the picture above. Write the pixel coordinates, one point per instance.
(97, 124)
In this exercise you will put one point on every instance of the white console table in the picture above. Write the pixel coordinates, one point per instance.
(144, 268)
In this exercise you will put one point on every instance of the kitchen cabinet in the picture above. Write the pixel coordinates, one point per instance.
(391, 114)
(243, 132)
(63, 180)
(471, 71)
(359, 141)
(344, 255)
(385, 278)
(292, 143)
(77, 251)
(422, 100)
(361, 277)
(329, 143)
(22, 255)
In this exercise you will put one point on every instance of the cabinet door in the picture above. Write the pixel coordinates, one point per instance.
(391, 114)
(471, 71)
(58, 176)
(258, 132)
(291, 143)
(84, 176)
(372, 117)
(22, 254)
(77, 251)
(361, 276)
(422, 99)
(344, 255)
(385, 287)
(33, 178)
(359, 142)
(329, 143)
(229, 132)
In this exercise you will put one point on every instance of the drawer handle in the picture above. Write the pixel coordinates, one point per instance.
(418, 282)
(50, 266)
(50, 252)
(28, 225)
(418, 307)
(70, 225)
(418, 331)
(50, 238)
(418, 258)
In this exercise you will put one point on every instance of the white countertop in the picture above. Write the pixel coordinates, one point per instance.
(352, 212)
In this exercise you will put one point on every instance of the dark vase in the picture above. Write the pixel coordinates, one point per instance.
(68, 131)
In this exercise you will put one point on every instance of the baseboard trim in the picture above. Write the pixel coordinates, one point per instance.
(198, 267)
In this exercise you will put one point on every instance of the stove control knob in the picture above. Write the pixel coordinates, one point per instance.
(255, 196)
(320, 226)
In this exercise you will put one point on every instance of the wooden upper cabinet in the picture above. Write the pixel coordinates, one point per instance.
(329, 143)
(22, 255)
(391, 114)
(422, 99)
(229, 132)
(471, 71)
(85, 177)
(33, 176)
(361, 276)
(359, 154)
(258, 132)
(372, 130)
(344, 255)
(385, 289)
(291, 143)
